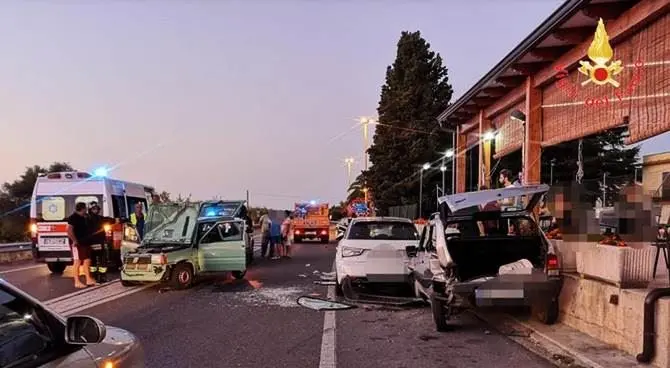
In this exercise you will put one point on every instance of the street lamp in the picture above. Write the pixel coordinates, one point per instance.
(489, 136)
(365, 122)
(349, 162)
(425, 167)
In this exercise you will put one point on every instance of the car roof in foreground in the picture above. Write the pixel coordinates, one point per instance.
(382, 219)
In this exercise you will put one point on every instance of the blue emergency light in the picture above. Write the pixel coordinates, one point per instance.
(100, 172)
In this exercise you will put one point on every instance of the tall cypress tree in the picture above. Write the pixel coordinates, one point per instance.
(416, 91)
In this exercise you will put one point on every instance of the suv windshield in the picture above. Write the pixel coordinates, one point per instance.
(171, 222)
(383, 230)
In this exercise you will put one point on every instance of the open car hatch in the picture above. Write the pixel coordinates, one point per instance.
(451, 204)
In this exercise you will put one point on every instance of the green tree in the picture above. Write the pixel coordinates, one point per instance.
(604, 153)
(417, 90)
(356, 188)
(15, 201)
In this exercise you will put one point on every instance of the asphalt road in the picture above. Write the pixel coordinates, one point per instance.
(256, 323)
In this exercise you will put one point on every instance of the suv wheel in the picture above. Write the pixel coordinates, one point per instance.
(548, 314)
(56, 268)
(438, 309)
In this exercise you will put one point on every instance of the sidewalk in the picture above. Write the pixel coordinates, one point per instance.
(562, 345)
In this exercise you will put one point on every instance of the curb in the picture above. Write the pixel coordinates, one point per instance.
(537, 342)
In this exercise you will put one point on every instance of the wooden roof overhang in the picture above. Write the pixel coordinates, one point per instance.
(559, 40)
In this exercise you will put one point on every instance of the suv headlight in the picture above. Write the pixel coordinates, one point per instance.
(351, 252)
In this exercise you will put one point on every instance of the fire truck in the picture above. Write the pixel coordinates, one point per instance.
(54, 198)
(311, 221)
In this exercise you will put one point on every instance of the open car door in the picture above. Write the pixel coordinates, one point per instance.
(222, 247)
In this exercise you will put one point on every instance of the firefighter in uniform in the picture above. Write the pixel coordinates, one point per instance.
(98, 240)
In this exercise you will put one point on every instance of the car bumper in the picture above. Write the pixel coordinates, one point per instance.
(509, 291)
(368, 271)
(144, 273)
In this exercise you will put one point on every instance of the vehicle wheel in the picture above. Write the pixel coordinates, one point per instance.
(239, 275)
(549, 313)
(181, 276)
(297, 239)
(127, 283)
(439, 314)
(324, 240)
(338, 288)
(56, 268)
(249, 257)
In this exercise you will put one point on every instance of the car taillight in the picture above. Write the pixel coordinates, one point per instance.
(297, 232)
(552, 265)
(324, 232)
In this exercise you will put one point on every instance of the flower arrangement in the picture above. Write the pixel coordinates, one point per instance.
(612, 239)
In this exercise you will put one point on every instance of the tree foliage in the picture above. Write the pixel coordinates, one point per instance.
(416, 91)
(15, 201)
(604, 153)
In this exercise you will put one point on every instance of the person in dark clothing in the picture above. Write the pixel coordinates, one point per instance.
(137, 219)
(243, 214)
(77, 232)
(98, 241)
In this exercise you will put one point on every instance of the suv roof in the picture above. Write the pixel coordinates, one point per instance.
(381, 218)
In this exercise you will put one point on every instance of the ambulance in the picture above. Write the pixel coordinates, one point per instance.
(53, 201)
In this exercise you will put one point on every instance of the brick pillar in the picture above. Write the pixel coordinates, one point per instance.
(484, 151)
(461, 145)
(532, 150)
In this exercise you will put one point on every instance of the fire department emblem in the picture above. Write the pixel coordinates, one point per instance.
(600, 69)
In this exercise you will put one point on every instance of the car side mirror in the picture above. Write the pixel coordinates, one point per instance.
(84, 330)
(411, 250)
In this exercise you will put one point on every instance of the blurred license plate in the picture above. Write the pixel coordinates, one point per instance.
(499, 294)
(54, 241)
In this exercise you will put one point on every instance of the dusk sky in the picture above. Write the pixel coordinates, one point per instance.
(216, 97)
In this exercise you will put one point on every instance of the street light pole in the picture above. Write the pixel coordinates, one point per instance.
(349, 161)
(551, 172)
(425, 167)
(366, 145)
(451, 154)
(443, 168)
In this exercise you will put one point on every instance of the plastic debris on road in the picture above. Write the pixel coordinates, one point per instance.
(321, 282)
(281, 297)
(302, 275)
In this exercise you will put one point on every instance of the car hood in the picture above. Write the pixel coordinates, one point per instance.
(118, 346)
(372, 244)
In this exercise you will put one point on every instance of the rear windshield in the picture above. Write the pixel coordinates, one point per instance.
(493, 227)
(59, 207)
(383, 230)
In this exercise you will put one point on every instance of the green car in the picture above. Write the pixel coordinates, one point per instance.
(185, 240)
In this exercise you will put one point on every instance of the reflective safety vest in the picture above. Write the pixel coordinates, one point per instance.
(133, 219)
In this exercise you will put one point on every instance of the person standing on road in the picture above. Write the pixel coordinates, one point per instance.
(77, 232)
(243, 213)
(286, 231)
(265, 235)
(98, 242)
(275, 240)
(137, 220)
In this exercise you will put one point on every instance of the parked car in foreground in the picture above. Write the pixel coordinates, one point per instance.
(469, 257)
(372, 251)
(32, 336)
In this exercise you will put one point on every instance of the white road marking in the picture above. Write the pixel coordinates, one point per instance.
(23, 268)
(91, 297)
(328, 358)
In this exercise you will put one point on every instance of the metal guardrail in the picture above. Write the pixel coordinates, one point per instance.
(12, 247)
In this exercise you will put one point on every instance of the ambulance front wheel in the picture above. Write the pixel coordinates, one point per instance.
(56, 268)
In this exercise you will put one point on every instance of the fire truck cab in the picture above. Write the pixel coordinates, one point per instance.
(53, 201)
